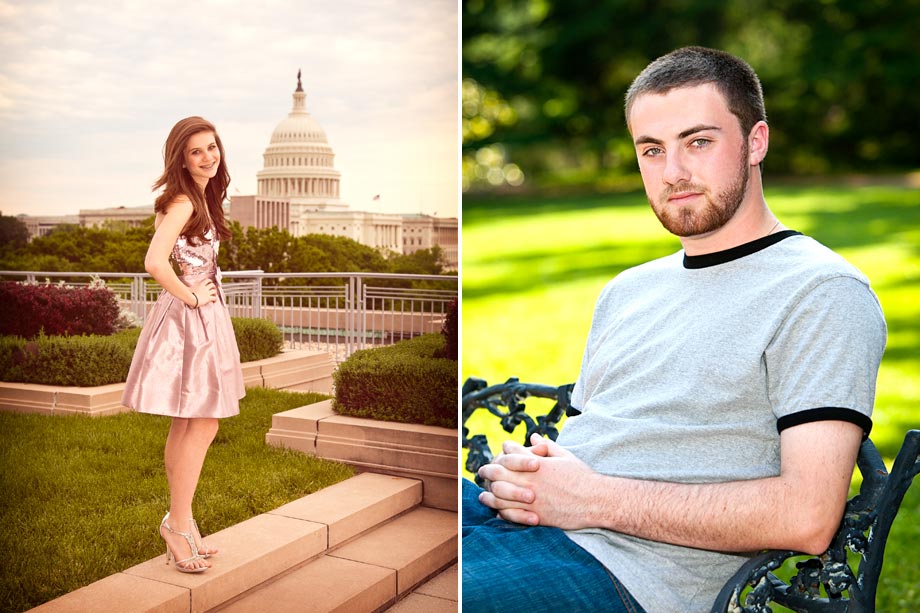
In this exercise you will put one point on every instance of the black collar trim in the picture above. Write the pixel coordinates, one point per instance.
(721, 257)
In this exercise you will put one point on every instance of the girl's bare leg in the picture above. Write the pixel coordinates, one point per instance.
(186, 447)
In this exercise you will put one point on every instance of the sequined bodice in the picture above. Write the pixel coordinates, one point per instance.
(197, 260)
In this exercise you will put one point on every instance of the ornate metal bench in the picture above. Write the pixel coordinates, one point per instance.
(824, 583)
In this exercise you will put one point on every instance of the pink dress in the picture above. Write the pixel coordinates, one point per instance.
(187, 363)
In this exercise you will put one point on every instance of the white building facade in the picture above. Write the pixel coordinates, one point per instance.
(298, 190)
(424, 232)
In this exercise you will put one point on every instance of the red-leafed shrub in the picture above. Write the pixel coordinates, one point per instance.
(27, 309)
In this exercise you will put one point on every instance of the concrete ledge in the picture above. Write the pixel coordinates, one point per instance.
(355, 505)
(27, 398)
(251, 552)
(252, 374)
(106, 400)
(427, 453)
(296, 429)
(121, 593)
(299, 370)
(325, 585)
(95, 401)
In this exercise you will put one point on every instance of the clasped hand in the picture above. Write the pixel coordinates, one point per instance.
(540, 485)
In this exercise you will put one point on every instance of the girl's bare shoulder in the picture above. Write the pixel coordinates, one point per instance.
(180, 209)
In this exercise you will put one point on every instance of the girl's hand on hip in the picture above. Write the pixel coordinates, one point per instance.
(206, 292)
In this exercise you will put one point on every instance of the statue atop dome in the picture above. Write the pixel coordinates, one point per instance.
(300, 98)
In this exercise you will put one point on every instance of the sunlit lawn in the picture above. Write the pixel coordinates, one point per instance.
(532, 269)
(82, 496)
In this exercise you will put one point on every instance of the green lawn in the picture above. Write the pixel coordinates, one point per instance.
(83, 496)
(532, 270)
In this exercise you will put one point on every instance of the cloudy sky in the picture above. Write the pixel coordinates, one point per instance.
(90, 89)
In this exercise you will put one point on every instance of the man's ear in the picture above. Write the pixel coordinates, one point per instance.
(758, 143)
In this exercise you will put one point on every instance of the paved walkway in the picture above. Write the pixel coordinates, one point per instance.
(437, 595)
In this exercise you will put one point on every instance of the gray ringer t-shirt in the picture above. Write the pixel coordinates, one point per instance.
(694, 365)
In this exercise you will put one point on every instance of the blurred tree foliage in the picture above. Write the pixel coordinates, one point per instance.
(278, 251)
(74, 248)
(544, 80)
(13, 233)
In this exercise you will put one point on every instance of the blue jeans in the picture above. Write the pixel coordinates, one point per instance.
(509, 567)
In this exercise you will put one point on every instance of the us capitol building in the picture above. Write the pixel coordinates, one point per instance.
(298, 189)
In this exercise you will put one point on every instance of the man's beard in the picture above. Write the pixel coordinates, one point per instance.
(689, 221)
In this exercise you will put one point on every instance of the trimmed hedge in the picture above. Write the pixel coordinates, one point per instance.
(26, 309)
(407, 382)
(68, 360)
(257, 338)
(91, 360)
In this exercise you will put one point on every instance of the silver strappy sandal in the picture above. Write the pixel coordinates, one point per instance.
(208, 552)
(182, 565)
(200, 544)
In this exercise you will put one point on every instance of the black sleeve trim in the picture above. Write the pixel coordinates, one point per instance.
(825, 414)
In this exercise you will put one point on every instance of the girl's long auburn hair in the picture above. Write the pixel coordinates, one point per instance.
(207, 206)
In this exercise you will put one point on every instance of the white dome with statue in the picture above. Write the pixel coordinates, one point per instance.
(299, 162)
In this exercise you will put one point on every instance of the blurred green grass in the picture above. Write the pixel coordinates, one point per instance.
(532, 270)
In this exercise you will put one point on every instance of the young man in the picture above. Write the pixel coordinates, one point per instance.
(721, 386)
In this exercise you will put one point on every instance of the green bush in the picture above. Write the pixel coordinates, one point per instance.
(257, 338)
(406, 382)
(87, 361)
(67, 360)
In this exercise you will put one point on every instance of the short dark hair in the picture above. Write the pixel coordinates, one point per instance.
(691, 66)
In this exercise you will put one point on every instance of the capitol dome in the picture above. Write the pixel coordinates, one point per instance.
(299, 162)
(299, 128)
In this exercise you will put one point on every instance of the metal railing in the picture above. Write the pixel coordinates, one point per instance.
(335, 312)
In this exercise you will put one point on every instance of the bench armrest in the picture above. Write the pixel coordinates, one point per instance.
(863, 530)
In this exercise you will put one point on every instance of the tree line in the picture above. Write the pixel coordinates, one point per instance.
(544, 81)
(72, 248)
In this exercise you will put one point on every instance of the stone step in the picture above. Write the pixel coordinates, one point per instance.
(254, 551)
(414, 451)
(370, 572)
